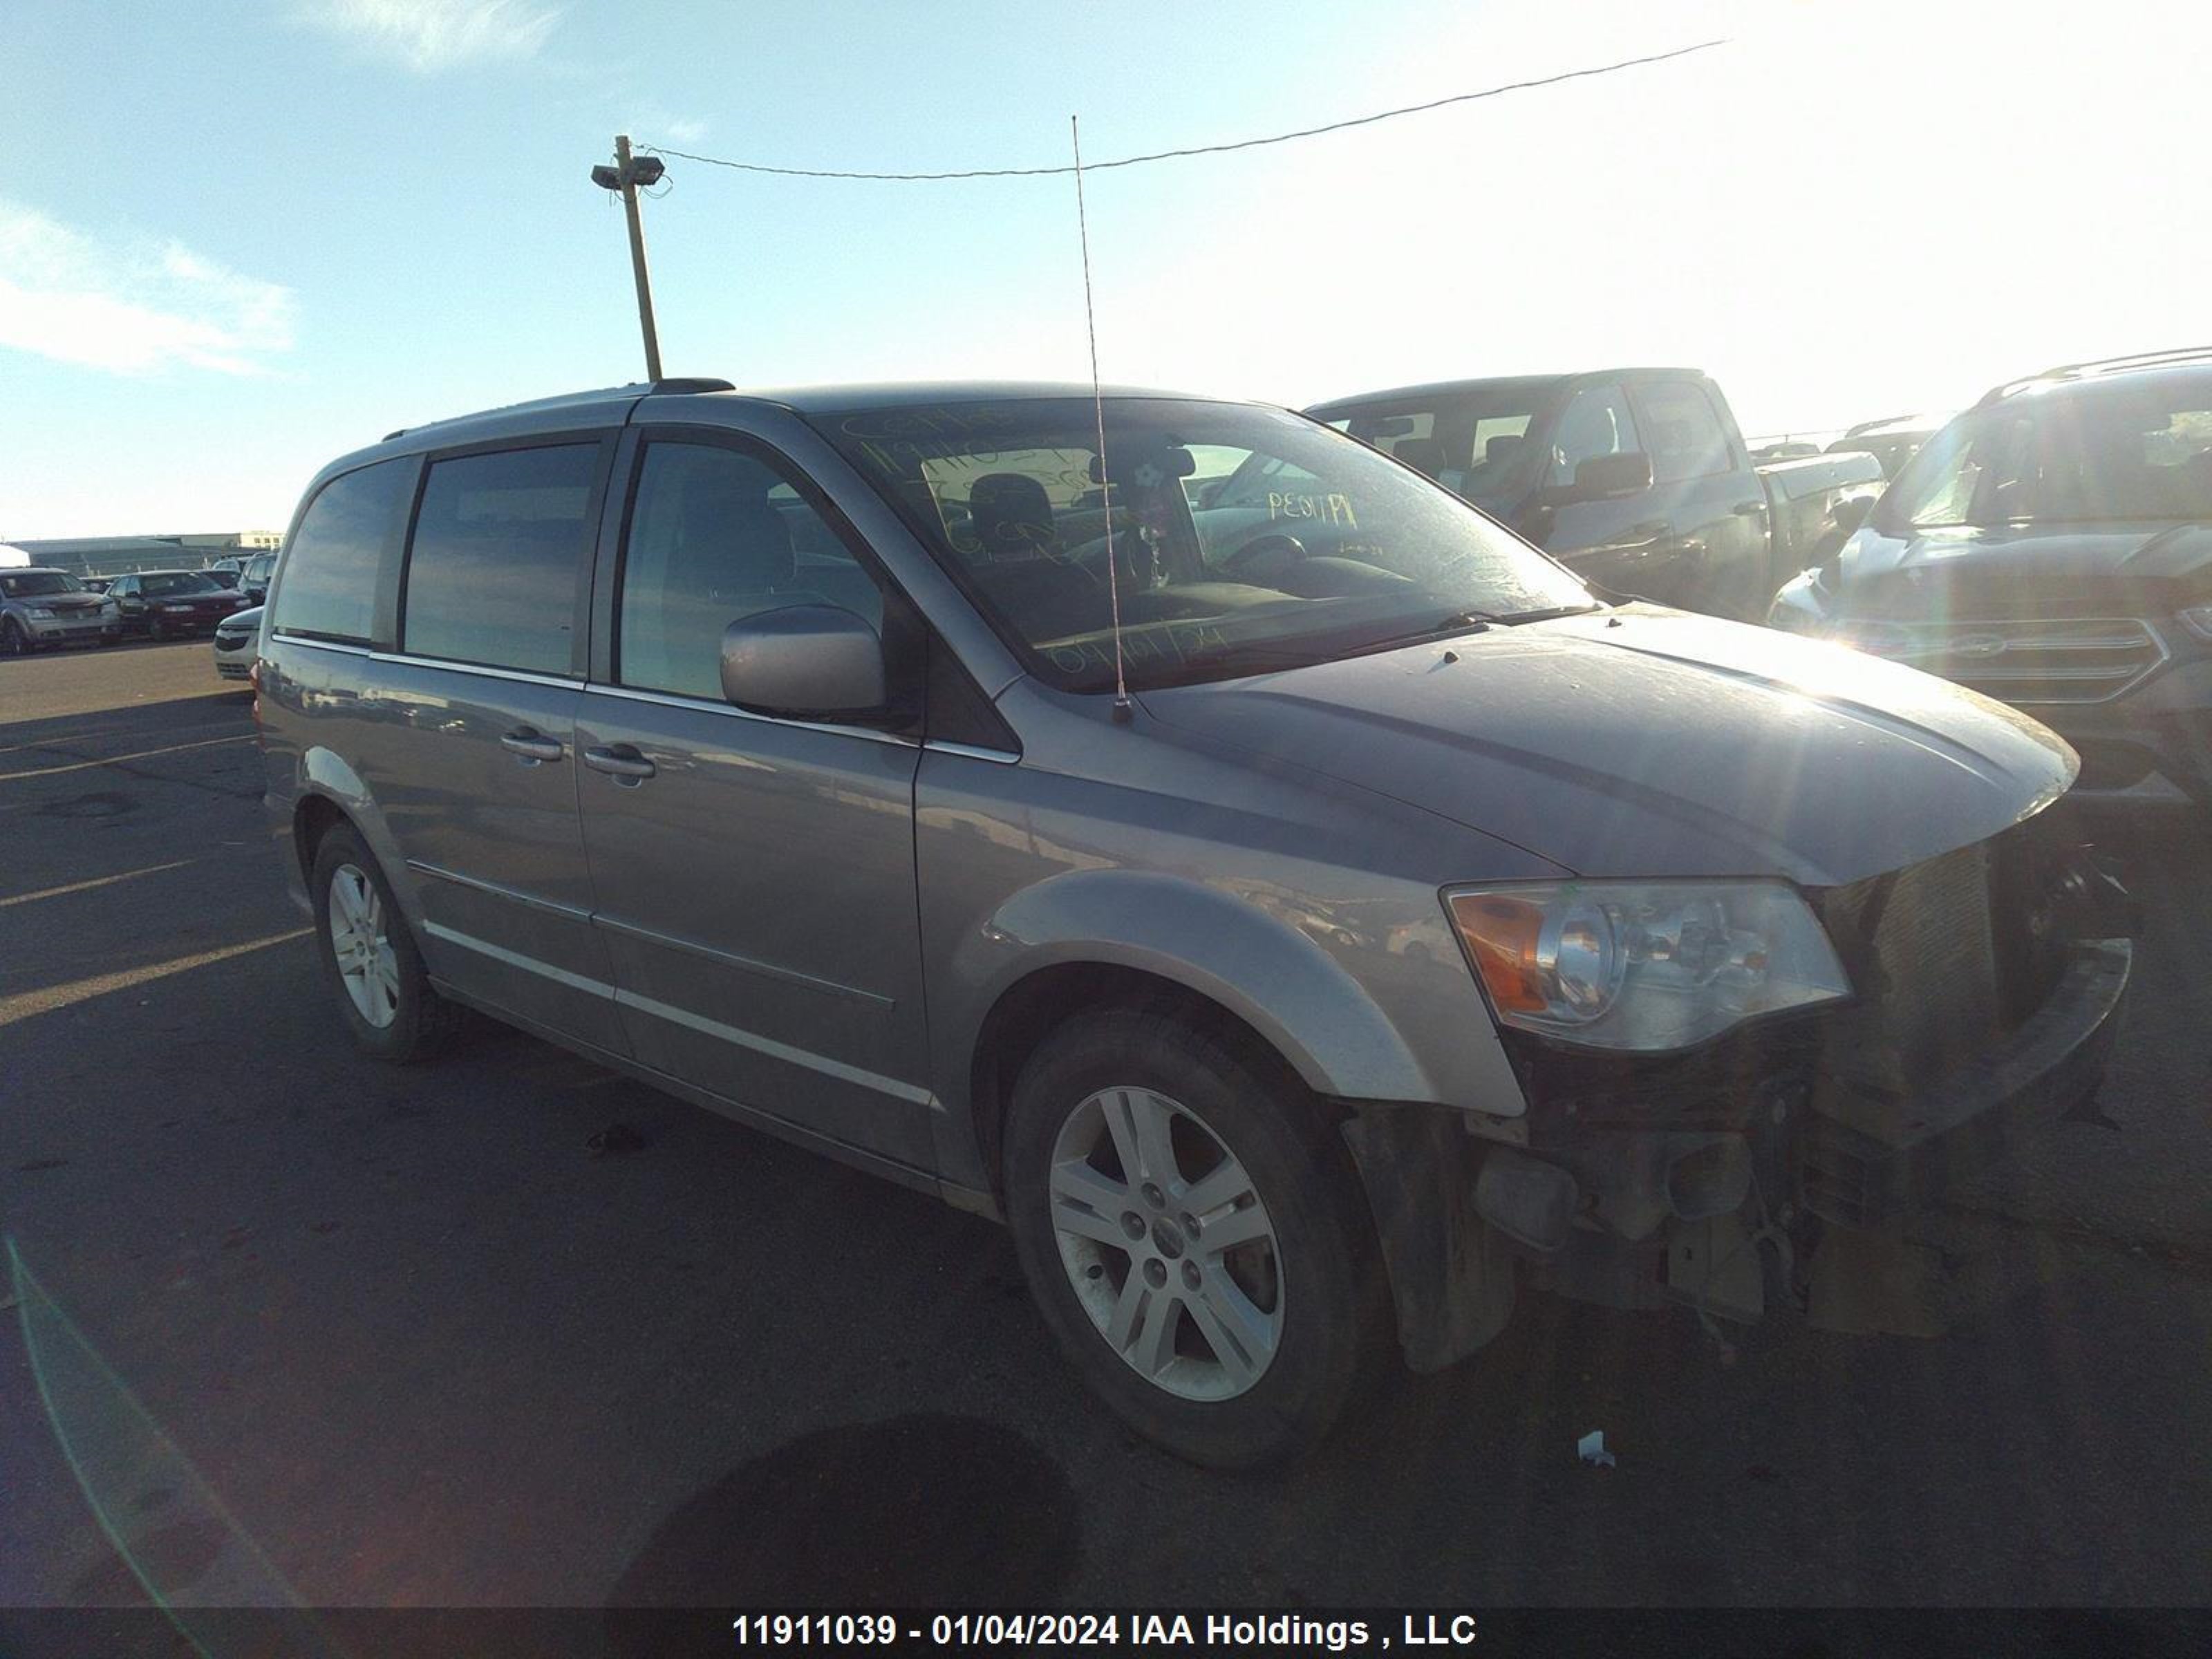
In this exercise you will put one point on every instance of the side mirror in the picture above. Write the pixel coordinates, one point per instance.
(1848, 514)
(810, 661)
(1608, 477)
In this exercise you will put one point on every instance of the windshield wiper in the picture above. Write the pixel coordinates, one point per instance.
(1458, 621)
(1514, 618)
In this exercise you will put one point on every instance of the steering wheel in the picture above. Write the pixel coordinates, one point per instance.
(1264, 557)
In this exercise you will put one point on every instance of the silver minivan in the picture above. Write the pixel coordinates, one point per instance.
(1309, 923)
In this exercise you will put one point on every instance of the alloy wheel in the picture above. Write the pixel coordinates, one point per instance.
(362, 946)
(1167, 1244)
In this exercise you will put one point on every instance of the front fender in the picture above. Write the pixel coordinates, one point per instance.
(1224, 946)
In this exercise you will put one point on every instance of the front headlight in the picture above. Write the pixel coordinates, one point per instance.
(37, 612)
(2198, 620)
(1642, 965)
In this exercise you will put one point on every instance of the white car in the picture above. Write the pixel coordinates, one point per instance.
(237, 643)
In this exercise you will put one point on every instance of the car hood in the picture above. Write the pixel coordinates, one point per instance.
(2009, 568)
(238, 619)
(1645, 742)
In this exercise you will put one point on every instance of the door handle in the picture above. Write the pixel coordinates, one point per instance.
(531, 745)
(622, 763)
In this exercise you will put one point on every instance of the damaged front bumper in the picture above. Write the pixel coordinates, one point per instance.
(1866, 1159)
(1672, 1182)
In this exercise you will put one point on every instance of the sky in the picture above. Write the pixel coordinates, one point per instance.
(241, 237)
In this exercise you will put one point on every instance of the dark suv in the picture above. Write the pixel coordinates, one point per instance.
(2052, 547)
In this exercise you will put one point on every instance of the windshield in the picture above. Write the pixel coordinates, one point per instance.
(1474, 441)
(2137, 449)
(35, 584)
(172, 584)
(1322, 548)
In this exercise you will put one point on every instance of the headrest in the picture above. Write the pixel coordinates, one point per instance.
(1497, 448)
(1425, 454)
(1011, 517)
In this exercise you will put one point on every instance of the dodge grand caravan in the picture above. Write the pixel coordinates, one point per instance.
(1308, 928)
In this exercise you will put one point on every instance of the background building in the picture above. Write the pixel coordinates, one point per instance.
(110, 555)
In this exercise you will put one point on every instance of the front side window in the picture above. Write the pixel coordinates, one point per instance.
(717, 535)
(2127, 450)
(1685, 437)
(337, 557)
(1321, 549)
(37, 584)
(493, 569)
(1595, 423)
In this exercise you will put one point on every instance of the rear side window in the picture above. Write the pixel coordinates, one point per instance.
(331, 570)
(498, 554)
(1685, 435)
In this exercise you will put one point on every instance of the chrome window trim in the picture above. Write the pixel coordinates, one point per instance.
(569, 912)
(705, 706)
(971, 752)
(747, 964)
(520, 676)
(341, 648)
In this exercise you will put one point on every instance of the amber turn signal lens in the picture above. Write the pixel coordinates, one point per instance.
(1500, 933)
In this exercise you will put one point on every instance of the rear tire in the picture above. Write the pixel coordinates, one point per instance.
(368, 955)
(1227, 1298)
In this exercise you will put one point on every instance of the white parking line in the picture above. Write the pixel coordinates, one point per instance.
(26, 1004)
(111, 760)
(97, 881)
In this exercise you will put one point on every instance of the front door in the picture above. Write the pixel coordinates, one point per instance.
(1627, 543)
(754, 878)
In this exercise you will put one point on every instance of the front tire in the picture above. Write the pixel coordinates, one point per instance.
(1193, 1232)
(13, 640)
(368, 955)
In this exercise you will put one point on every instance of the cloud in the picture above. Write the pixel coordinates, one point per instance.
(431, 35)
(132, 308)
(682, 131)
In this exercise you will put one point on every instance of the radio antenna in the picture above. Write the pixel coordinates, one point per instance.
(1121, 709)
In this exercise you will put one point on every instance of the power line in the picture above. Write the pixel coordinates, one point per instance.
(1198, 149)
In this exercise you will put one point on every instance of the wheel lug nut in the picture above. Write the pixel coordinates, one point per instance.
(1190, 1274)
(1190, 1224)
(1155, 1197)
(1133, 1225)
(1156, 1272)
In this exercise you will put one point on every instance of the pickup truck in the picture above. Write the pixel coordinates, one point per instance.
(1636, 479)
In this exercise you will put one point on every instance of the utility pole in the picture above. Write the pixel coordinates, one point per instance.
(626, 175)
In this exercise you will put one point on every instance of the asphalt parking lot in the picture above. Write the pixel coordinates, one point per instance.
(313, 1328)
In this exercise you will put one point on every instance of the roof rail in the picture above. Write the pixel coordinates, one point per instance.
(2177, 354)
(2097, 365)
(693, 383)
